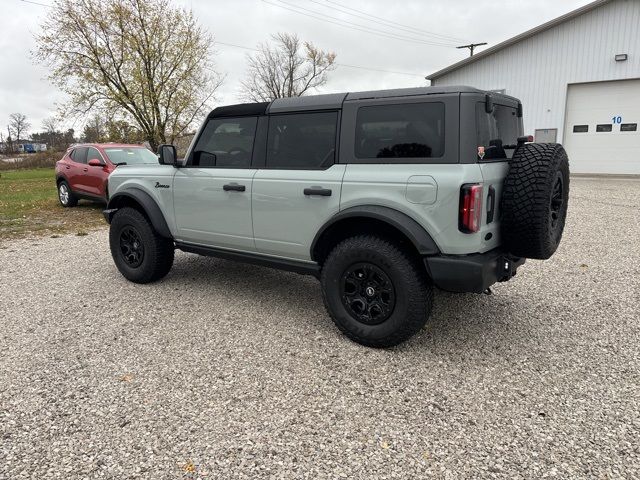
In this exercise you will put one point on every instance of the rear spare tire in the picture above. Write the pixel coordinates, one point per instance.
(535, 199)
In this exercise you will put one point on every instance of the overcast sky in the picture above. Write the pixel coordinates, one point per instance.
(24, 87)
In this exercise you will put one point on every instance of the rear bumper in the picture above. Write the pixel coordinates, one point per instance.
(472, 273)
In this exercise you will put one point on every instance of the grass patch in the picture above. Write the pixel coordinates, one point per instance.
(29, 206)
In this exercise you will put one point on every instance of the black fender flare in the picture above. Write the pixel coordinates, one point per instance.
(148, 204)
(415, 232)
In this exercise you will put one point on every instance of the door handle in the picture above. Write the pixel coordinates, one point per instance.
(233, 187)
(323, 192)
(67, 167)
(85, 170)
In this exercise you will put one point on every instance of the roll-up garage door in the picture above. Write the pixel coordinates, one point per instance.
(602, 128)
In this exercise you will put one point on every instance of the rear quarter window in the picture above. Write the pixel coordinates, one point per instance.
(79, 155)
(413, 130)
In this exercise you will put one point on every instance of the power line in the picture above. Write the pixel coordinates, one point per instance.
(379, 70)
(35, 3)
(357, 26)
(384, 21)
(354, 26)
(234, 45)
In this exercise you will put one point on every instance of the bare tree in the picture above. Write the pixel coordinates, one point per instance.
(18, 126)
(140, 60)
(50, 124)
(286, 68)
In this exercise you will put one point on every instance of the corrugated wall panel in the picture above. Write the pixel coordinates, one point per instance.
(537, 70)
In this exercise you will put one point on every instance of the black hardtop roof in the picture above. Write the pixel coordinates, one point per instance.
(240, 109)
(334, 101)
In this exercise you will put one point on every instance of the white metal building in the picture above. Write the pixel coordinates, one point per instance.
(578, 77)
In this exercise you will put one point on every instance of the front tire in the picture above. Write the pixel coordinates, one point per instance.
(65, 195)
(376, 294)
(140, 254)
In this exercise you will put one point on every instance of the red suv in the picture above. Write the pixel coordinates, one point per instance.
(84, 169)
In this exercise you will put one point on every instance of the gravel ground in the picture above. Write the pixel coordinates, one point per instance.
(225, 370)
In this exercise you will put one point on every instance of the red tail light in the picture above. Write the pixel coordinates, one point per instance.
(470, 208)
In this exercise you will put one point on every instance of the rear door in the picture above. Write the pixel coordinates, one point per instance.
(299, 188)
(212, 192)
(76, 169)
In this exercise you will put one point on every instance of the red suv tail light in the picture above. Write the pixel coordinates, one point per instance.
(470, 208)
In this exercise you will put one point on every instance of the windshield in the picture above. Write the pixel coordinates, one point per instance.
(496, 130)
(131, 155)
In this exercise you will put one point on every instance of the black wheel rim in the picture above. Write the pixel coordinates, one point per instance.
(367, 293)
(131, 247)
(557, 201)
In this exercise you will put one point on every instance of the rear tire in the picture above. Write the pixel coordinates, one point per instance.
(65, 196)
(376, 294)
(535, 199)
(140, 254)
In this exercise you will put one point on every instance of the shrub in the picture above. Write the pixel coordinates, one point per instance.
(31, 160)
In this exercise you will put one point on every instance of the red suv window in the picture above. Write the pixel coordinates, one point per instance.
(79, 155)
(94, 154)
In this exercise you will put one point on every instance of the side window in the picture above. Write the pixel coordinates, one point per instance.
(79, 155)
(225, 142)
(302, 140)
(93, 154)
(410, 130)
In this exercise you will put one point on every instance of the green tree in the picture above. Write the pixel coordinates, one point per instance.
(144, 61)
(123, 132)
(95, 130)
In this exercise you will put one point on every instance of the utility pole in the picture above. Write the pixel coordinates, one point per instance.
(471, 47)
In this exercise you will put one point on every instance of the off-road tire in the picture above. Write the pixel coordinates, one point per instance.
(533, 210)
(157, 252)
(72, 200)
(413, 292)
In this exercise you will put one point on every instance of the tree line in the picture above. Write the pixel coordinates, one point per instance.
(143, 70)
(96, 130)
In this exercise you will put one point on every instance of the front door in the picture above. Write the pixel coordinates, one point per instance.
(94, 178)
(212, 192)
(299, 188)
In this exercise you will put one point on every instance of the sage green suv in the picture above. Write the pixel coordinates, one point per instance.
(382, 195)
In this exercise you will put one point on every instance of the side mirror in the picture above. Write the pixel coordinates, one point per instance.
(167, 155)
(94, 162)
